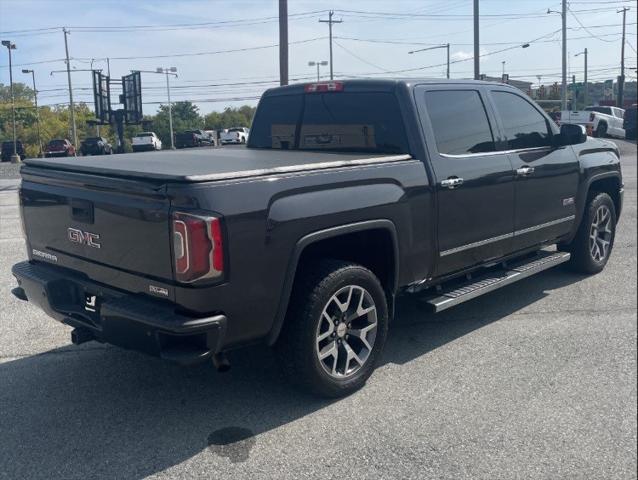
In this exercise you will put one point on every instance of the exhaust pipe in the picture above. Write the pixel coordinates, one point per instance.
(220, 360)
(81, 335)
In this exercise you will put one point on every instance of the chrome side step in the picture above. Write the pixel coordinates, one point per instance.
(444, 299)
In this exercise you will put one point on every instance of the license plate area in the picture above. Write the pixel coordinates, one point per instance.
(75, 301)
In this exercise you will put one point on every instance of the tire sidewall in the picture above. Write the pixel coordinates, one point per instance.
(599, 200)
(352, 275)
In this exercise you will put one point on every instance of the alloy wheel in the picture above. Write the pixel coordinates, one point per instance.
(600, 234)
(346, 331)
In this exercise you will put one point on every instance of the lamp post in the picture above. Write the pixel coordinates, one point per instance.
(586, 92)
(37, 110)
(312, 64)
(446, 46)
(167, 72)
(563, 87)
(15, 158)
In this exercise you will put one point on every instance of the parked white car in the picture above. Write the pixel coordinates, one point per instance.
(602, 120)
(235, 135)
(146, 141)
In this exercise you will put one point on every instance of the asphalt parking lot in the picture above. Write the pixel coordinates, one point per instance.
(537, 380)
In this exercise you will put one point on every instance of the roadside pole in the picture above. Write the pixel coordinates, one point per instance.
(68, 72)
(330, 21)
(621, 79)
(477, 68)
(283, 42)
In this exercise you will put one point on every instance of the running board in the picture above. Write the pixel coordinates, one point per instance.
(444, 299)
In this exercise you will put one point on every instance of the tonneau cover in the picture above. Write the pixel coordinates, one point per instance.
(208, 164)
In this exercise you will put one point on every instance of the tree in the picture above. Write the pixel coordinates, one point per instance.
(185, 117)
(230, 117)
(55, 120)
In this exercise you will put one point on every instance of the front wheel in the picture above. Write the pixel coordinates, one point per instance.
(592, 246)
(335, 328)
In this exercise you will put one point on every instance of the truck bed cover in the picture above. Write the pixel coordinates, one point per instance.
(208, 164)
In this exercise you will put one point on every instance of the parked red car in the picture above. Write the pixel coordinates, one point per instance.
(59, 148)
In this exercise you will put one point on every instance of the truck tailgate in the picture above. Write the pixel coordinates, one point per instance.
(85, 222)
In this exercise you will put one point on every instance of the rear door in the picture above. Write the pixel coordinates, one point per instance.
(546, 176)
(474, 182)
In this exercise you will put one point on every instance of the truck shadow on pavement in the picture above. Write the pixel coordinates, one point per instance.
(98, 411)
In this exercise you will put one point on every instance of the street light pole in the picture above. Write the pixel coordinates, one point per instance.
(15, 158)
(170, 112)
(563, 87)
(586, 90)
(68, 72)
(167, 72)
(318, 63)
(37, 110)
(446, 46)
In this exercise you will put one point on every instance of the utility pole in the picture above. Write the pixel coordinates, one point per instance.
(37, 110)
(477, 68)
(621, 79)
(330, 21)
(68, 72)
(283, 42)
(12, 46)
(563, 92)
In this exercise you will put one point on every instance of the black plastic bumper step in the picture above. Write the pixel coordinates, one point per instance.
(489, 282)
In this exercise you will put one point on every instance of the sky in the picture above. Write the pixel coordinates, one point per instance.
(226, 53)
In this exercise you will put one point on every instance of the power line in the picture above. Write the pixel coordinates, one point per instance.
(97, 28)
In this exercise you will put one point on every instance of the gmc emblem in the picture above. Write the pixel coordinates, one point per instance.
(83, 238)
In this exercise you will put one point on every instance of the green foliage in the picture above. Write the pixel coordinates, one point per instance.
(230, 117)
(55, 121)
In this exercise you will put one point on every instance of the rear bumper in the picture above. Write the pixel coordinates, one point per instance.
(129, 321)
(143, 148)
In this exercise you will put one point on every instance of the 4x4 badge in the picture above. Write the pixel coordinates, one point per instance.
(83, 238)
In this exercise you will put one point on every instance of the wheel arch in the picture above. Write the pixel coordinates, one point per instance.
(313, 245)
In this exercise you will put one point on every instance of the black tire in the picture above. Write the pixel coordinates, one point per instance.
(298, 347)
(601, 130)
(584, 254)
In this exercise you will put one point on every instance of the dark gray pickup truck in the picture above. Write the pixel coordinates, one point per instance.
(346, 195)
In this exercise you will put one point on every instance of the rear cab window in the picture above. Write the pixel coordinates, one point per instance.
(341, 121)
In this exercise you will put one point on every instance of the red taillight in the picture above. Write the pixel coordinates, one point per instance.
(324, 87)
(197, 246)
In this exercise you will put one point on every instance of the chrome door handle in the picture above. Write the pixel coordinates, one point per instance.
(452, 182)
(524, 171)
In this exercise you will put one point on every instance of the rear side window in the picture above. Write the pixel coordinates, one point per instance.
(524, 126)
(459, 122)
(336, 121)
(605, 110)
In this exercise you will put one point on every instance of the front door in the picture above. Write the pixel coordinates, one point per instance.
(474, 182)
(546, 176)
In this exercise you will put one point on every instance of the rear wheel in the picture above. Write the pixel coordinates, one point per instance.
(601, 130)
(594, 240)
(335, 329)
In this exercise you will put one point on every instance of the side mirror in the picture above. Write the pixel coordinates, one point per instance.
(571, 134)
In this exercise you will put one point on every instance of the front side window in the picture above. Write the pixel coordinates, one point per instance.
(459, 122)
(523, 125)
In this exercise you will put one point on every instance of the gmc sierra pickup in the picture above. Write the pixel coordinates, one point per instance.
(346, 195)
